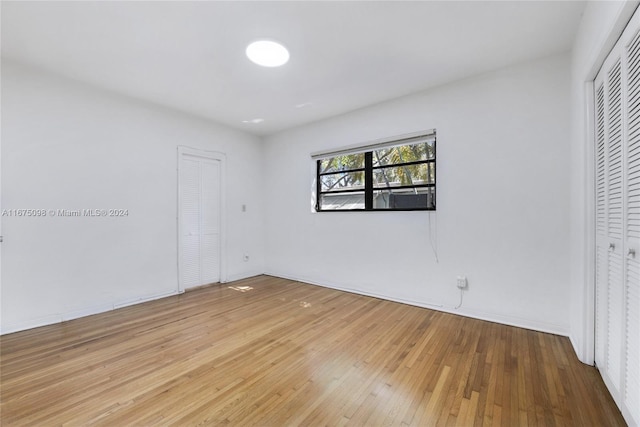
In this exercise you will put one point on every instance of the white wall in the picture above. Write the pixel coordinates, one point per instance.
(66, 145)
(69, 146)
(601, 25)
(503, 201)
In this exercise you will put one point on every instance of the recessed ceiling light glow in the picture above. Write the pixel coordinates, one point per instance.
(253, 121)
(267, 53)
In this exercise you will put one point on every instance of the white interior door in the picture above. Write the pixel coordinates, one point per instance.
(617, 172)
(210, 221)
(602, 244)
(199, 218)
(190, 213)
(632, 229)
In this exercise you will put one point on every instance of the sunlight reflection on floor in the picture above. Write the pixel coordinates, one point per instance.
(241, 288)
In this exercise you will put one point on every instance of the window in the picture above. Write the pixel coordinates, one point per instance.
(397, 174)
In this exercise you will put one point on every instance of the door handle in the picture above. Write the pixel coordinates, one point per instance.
(612, 246)
(631, 253)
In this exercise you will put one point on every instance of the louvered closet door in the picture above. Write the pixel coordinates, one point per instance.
(190, 256)
(199, 199)
(210, 222)
(632, 231)
(614, 223)
(609, 300)
(617, 194)
(601, 230)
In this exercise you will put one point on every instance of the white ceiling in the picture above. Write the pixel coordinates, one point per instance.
(344, 55)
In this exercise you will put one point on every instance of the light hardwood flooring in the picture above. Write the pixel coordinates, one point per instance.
(286, 353)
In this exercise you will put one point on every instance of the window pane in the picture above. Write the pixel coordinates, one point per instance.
(342, 201)
(401, 177)
(422, 173)
(420, 198)
(342, 181)
(342, 163)
(404, 154)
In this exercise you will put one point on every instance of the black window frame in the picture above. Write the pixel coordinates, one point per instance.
(369, 187)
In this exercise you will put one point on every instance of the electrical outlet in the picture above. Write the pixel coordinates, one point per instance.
(461, 282)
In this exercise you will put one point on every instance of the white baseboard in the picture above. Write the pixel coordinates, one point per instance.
(83, 312)
(584, 357)
(476, 314)
(534, 325)
(245, 275)
(140, 300)
(102, 308)
(77, 313)
(30, 324)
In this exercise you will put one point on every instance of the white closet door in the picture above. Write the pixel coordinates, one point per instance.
(632, 235)
(199, 220)
(190, 257)
(617, 191)
(609, 271)
(601, 230)
(210, 236)
(614, 223)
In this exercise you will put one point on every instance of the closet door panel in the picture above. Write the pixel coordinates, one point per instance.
(615, 126)
(210, 264)
(632, 354)
(632, 227)
(601, 229)
(615, 319)
(190, 218)
(617, 221)
(199, 218)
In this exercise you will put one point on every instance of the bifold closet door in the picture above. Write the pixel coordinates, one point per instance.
(617, 188)
(199, 199)
(632, 231)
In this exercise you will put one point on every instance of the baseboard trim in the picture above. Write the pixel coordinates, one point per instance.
(103, 308)
(581, 354)
(475, 314)
(236, 277)
(78, 313)
(195, 288)
(30, 324)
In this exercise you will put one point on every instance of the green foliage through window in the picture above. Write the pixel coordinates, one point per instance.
(400, 177)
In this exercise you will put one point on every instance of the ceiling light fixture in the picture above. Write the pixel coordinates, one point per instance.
(267, 53)
(253, 121)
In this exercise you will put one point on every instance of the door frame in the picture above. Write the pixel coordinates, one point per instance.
(207, 155)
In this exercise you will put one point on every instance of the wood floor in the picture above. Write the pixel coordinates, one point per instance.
(273, 352)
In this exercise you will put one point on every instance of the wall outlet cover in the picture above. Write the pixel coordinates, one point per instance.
(461, 282)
